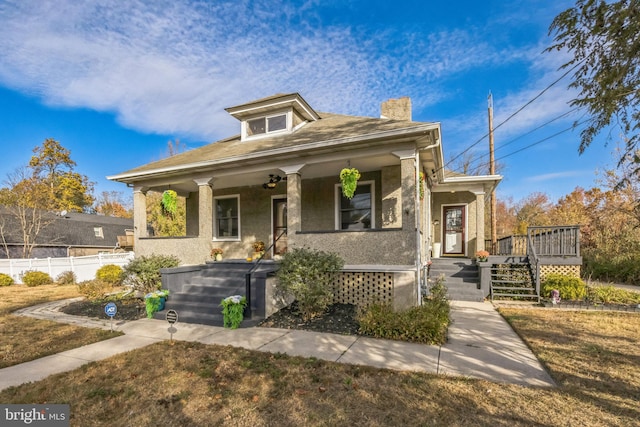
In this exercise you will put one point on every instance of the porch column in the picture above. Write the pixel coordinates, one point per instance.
(294, 199)
(480, 221)
(408, 180)
(140, 212)
(205, 208)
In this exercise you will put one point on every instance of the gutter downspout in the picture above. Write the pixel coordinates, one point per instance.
(419, 265)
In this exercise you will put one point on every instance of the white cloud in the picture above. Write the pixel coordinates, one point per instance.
(556, 175)
(172, 66)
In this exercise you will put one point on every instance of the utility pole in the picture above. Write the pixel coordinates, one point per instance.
(492, 171)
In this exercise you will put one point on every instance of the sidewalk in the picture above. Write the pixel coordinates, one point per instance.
(481, 345)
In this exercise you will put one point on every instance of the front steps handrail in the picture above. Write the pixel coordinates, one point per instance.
(248, 311)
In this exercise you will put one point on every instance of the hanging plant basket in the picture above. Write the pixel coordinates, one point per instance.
(349, 178)
(169, 203)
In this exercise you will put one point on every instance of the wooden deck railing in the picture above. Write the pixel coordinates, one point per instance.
(541, 241)
(556, 240)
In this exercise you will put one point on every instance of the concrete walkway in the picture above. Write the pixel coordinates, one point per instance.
(481, 345)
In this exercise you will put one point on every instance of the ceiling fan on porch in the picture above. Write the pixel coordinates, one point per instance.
(273, 181)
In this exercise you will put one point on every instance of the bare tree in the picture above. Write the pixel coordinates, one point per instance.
(22, 199)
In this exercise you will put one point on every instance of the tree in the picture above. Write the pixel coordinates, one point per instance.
(111, 203)
(162, 224)
(532, 211)
(68, 190)
(23, 219)
(47, 184)
(571, 209)
(604, 40)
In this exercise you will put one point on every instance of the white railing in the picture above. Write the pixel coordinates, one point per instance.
(84, 267)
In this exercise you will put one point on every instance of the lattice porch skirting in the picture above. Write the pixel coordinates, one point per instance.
(567, 270)
(364, 288)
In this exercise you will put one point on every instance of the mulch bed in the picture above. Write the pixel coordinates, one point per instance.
(132, 309)
(337, 319)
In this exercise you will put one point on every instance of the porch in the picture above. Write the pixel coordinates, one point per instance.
(517, 264)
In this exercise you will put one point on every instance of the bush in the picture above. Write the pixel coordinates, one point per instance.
(67, 278)
(604, 267)
(110, 273)
(612, 295)
(308, 275)
(143, 274)
(36, 278)
(94, 290)
(6, 280)
(426, 324)
(570, 287)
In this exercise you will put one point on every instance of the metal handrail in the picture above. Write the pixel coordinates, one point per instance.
(247, 277)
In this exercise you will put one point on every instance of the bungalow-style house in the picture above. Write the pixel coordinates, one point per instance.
(66, 234)
(279, 179)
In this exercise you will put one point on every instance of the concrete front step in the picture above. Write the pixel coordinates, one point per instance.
(461, 278)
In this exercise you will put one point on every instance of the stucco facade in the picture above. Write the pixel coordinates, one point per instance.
(394, 227)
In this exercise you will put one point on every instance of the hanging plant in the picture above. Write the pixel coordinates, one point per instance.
(349, 178)
(422, 179)
(169, 202)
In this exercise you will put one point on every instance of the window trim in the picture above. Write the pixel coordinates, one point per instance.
(288, 121)
(218, 238)
(337, 207)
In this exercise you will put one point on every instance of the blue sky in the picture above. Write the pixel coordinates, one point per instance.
(115, 80)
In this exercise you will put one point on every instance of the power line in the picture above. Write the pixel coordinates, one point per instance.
(514, 114)
(537, 142)
(502, 146)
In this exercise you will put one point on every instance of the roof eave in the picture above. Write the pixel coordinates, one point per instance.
(418, 130)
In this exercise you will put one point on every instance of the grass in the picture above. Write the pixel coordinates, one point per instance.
(592, 355)
(23, 338)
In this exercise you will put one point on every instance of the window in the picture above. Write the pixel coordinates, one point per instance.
(227, 218)
(357, 213)
(98, 232)
(264, 125)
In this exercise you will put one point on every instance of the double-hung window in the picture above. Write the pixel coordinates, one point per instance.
(357, 213)
(227, 217)
(265, 125)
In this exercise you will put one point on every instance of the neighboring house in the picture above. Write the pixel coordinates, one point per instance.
(68, 234)
(281, 174)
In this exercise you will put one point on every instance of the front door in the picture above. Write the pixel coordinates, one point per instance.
(280, 226)
(454, 230)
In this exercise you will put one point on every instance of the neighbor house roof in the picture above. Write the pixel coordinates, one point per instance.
(70, 229)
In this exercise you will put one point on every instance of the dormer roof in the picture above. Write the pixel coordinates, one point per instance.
(274, 103)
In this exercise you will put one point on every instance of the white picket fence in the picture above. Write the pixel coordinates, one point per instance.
(84, 267)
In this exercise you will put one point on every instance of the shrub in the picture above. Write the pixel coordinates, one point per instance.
(110, 273)
(308, 275)
(426, 324)
(143, 274)
(6, 280)
(604, 267)
(570, 287)
(36, 278)
(94, 290)
(67, 278)
(612, 295)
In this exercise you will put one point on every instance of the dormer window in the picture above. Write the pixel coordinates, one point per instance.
(274, 115)
(268, 124)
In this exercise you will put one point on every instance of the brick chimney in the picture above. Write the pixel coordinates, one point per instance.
(397, 109)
